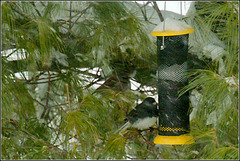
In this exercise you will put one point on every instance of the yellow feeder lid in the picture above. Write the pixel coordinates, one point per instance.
(174, 140)
(171, 27)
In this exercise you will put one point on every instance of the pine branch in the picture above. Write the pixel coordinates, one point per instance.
(81, 13)
(155, 6)
(34, 6)
(92, 83)
(70, 15)
(235, 9)
(215, 137)
(152, 145)
(47, 109)
(68, 98)
(53, 148)
(144, 14)
(175, 149)
(144, 5)
(34, 77)
(19, 11)
(48, 89)
(11, 53)
(42, 3)
(149, 143)
(60, 106)
(43, 82)
(235, 82)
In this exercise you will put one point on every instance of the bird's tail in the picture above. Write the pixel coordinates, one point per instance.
(125, 126)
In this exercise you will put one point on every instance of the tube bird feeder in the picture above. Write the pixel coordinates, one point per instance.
(172, 50)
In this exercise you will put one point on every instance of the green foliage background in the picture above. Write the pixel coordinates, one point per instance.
(49, 108)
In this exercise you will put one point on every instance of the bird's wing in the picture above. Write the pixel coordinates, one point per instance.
(151, 111)
(146, 110)
(133, 115)
(139, 107)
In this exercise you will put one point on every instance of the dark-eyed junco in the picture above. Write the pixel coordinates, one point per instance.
(143, 116)
(116, 82)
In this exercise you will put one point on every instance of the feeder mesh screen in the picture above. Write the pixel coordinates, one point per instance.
(172, 67)
(175, 72)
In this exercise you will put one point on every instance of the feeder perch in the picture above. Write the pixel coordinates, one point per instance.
(172, 50)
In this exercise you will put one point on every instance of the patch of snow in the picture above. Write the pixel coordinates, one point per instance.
(195, 98)
(174, 6)
(60, 57)
(221, 68)
(213, 51)
(72, 140)
(99, 83)
(21, 75)
(212, 118)
(195, 152)
(95, 70)
(171, 25)
(83, 69)
(231, 81)
(14, 54)
(202, 35)
(134, 85)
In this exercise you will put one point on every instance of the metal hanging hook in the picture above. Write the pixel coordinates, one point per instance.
(163, 45)
(181, 7)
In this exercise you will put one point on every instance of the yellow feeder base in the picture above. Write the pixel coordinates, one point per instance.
(174, 140)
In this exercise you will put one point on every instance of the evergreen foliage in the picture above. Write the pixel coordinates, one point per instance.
(51, 109)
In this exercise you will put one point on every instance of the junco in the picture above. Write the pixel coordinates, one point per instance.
(123, 69)
(116, 82)
(143, 116)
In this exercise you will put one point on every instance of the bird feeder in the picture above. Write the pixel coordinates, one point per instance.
(172, 50)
